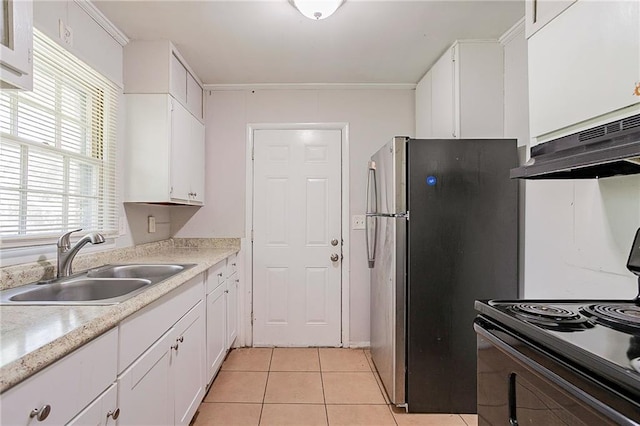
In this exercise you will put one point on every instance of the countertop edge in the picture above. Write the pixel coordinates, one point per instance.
(26, 366)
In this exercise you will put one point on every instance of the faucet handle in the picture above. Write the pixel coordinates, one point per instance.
(63, 241)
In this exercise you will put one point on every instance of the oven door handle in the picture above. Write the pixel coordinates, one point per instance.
(547, 374)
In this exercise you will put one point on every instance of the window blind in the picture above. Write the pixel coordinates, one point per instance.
(58, 150)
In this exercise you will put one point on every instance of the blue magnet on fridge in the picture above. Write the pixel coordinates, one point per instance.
(431, 180)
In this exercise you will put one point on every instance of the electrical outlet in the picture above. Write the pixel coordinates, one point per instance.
(357, 221)
(152, 224)
(66, 33)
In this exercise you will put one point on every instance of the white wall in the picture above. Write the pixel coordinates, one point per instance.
(374, 117)
(578, 237)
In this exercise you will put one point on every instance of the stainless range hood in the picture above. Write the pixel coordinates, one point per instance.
(608, 150)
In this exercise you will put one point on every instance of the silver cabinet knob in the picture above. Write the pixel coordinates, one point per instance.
(334, 257)
(114, 414)
(40, 413)
(334, 242)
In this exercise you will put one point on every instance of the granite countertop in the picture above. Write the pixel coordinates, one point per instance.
(33, 337)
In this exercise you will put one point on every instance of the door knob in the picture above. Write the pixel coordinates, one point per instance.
(334, 257)
(334, 242)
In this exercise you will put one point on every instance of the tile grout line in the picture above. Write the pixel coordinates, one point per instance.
(324, 397)
(264, 394)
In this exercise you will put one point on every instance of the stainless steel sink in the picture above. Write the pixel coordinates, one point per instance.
(135, 271)
(107, 285)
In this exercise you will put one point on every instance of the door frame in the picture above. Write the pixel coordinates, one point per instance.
(344, 218)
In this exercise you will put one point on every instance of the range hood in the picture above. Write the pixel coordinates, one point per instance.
(607, 150)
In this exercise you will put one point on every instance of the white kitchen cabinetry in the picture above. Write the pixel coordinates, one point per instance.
(16, 45)
(103, 411)
(232, 299)
(165, 151)
(216, 319)
(157, 67)
(166, 383)
(64, 388)
(539, 13)
(423, 107)
(464, 93)
(583, 68)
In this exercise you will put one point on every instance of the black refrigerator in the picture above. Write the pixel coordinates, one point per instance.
(441, 232)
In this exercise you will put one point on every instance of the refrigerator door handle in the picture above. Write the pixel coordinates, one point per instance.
(372, 207)
(404, 215)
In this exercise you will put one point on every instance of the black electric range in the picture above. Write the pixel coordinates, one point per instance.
(560, 361)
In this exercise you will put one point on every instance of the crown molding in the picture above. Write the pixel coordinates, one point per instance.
(311, 86)
(513, 32)
(103, 21)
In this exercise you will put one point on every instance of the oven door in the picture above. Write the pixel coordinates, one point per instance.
(519, 384)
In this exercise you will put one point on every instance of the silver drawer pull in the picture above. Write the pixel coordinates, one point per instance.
(40, 413)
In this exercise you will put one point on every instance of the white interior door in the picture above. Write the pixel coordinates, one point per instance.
(296, 218)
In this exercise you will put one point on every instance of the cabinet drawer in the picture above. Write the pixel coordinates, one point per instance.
(66, 386)
(101, 411)
(216, 275)
(139, 331)
(232, 264)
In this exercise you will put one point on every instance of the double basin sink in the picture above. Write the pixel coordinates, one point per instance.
(106, 285)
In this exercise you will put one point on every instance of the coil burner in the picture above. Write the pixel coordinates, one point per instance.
(625, 316)
(551, 317)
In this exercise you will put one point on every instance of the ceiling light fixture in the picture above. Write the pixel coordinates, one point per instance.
(317, 9)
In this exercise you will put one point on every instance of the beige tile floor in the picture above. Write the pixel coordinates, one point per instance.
(306, 386)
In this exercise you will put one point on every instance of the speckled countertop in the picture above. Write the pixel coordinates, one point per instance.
(33, 337)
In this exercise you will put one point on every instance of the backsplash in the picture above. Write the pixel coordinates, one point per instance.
(17, 275)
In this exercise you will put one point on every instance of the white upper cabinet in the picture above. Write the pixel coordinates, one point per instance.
(583, 68)
(164, 152)
(16, 44)
(166, 139)
(540, 12)
(461, 96)
(158, 67)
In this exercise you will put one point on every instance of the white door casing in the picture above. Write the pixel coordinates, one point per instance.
(296, 214)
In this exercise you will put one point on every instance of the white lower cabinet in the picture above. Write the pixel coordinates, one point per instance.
(144, 389)
(152, 369)
(166, 384)
(58, 393)
(216, 330)
(188, 364)
(232, 309)
(101, 412)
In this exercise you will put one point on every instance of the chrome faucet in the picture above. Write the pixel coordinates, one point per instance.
(66, 253)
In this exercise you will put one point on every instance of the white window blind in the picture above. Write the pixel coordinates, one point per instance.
(58, 150)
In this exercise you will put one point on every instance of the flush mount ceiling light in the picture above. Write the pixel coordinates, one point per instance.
(317, 9)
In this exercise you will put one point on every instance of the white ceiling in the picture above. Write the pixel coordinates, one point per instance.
(268, 41)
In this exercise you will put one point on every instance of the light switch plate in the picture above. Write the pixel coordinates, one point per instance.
(357, 221)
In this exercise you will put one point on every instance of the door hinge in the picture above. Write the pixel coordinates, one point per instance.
(252, 235)
(253, 155)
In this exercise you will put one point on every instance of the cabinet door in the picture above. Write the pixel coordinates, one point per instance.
(216, 330)
(16, 44)
(197, 164)
(194, 97)
(442, 92)
(177, 79)
(423, 107)
(188, 364)
(540, 12)
(145, 389)
(181, 156)
(232, 309)
(102, 412)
